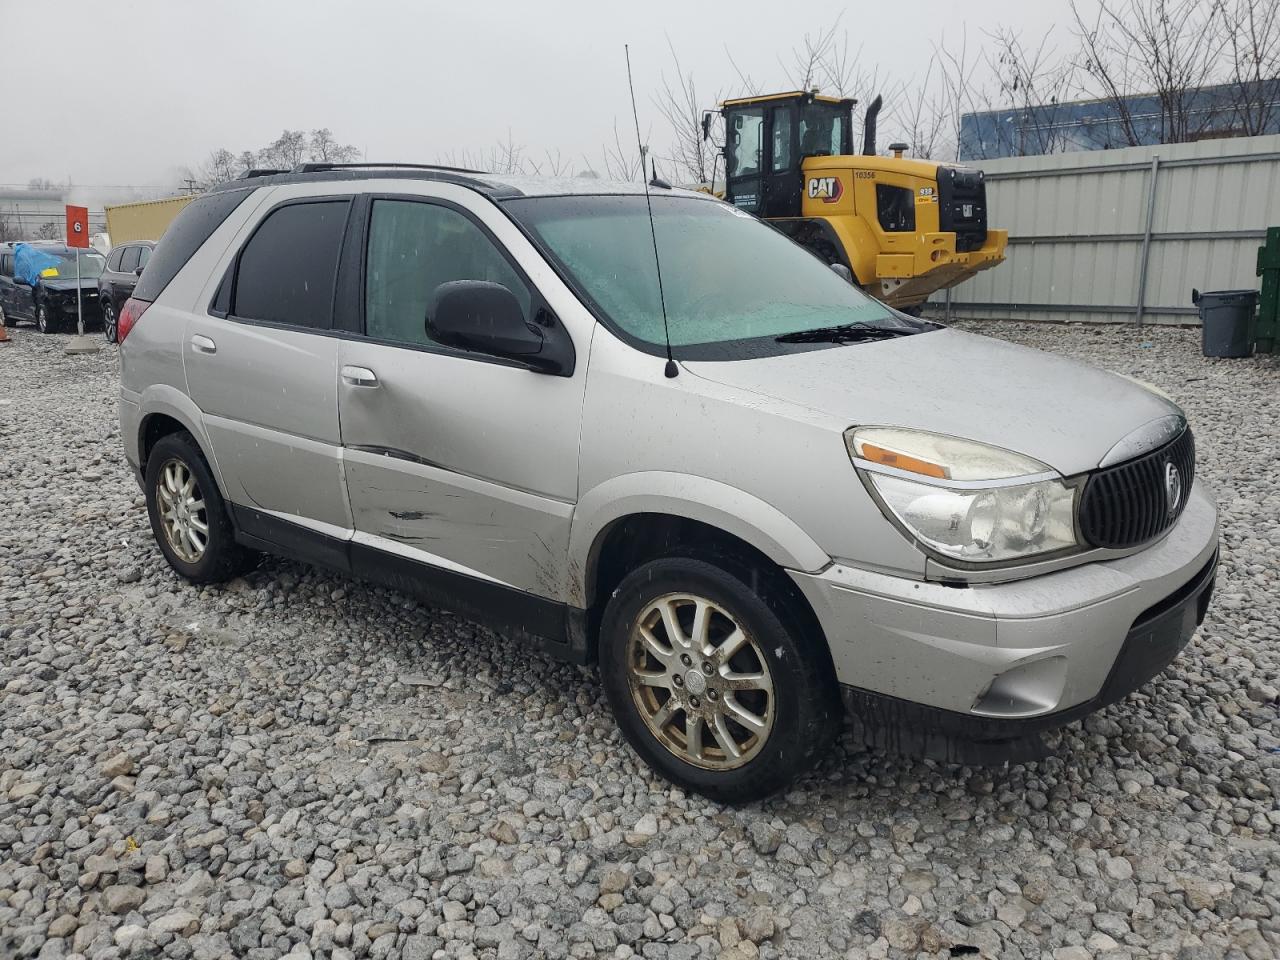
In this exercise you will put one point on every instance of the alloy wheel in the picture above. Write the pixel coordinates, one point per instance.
(109, 323)
(700, 681)
(182, 511)
(42, 318)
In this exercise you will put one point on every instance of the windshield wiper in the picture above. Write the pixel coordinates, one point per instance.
(844, 333)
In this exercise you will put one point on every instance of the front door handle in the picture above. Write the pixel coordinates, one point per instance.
(202, 344)
(359, 376)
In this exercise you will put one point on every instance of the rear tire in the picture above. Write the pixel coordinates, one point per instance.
(189, 518)
(5, 318)
(740, 702)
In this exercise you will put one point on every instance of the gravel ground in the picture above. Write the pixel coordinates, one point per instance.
(299, 764)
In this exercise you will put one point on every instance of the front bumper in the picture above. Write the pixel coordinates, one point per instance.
(974, 674)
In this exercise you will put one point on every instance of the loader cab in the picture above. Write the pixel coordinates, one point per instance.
(766, 142)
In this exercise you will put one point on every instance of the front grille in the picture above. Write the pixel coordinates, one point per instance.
(1129, 504)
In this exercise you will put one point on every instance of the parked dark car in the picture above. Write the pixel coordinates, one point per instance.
(50, 302)
(115, 286)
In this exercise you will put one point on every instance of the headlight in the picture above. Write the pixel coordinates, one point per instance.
(971, 502)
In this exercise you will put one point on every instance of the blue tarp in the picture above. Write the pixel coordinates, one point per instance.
(28, 261)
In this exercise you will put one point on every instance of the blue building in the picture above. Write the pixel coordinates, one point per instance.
(1225, 110)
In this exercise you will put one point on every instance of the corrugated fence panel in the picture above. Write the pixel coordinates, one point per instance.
(1077, 221)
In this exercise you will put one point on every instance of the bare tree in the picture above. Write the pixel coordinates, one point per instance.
(553, 164)
(286, 151)
(248, 160)
(959, 93)
(1162, 48)
(41, 183)
(323, 148)
(1250, 33)
(49, 230)
(811, 59)
(691, 153)
(622, 162)
(7, 231)
(220, 166)
(1033, 81)
(921, 116)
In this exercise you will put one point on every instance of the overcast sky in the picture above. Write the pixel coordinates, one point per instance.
(129, 91)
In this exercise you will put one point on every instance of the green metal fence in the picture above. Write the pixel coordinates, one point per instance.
(1268, 326)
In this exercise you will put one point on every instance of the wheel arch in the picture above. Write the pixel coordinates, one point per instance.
(716, 505)
(167, 410)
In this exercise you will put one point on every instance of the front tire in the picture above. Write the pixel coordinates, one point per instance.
(189, 518)
(5, 318)
(714, 683)
(109, 322)
(44, 319)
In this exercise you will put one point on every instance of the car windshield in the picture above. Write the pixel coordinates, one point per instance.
(727, 278)
(91, 266)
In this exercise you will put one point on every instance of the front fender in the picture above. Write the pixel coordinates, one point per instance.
(695, 498)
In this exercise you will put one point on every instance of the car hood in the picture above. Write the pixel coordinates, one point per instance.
(69, 283)
(1062, 413)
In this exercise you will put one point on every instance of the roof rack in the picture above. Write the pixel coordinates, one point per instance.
(321, 167)
(260, 172)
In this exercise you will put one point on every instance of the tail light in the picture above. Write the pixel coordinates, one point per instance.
(130, 314)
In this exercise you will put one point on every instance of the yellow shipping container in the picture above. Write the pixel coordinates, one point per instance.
(146, 220)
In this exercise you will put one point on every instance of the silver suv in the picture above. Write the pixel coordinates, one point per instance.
(748, 491)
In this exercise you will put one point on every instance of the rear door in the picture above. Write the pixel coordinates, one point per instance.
(453, 459)
(261, 365)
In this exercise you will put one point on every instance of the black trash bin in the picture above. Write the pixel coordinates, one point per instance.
(1226, 321)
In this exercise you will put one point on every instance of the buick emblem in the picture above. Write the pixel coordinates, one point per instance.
(1172, 487)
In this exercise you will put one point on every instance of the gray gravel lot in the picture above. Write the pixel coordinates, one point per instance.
(299, 764)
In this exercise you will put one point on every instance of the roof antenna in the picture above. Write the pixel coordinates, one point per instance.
(671, 368)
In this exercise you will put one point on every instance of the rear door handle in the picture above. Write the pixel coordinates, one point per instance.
(202, 344)
(359, 376)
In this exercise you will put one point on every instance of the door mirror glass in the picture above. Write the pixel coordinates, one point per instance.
(482, 316)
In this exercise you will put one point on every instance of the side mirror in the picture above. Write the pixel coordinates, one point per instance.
(706, 125)
(842, 271)
(487, 318)
(138, 272)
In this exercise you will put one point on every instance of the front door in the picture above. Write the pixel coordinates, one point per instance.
(265, 374)
(453, 459)
(782, 184)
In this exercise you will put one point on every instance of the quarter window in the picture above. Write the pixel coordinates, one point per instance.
(289, 267)
(895, 208)
(414, 248)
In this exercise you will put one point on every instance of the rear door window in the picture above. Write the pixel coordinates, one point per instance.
(144, 254)
(113, 261)
(288, 270)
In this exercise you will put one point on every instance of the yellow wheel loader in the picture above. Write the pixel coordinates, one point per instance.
(903, 228)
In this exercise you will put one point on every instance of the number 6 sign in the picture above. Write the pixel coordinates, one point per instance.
(77, 227)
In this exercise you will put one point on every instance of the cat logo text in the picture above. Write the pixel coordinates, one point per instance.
(826, 189)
